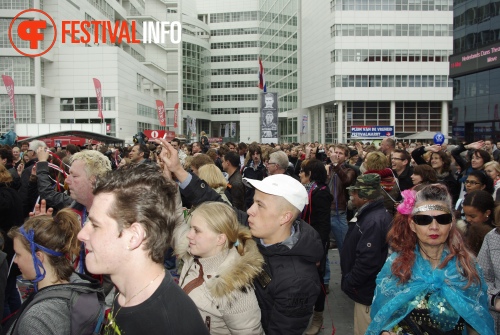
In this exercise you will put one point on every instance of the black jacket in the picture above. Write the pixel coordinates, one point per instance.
(287, 302)
(317, 212)
(404, 179)
(237, 190)
(365, 251)
(258, 173)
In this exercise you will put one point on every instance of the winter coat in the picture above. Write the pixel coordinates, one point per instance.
(226, 298)
(288, 290)
(317, 212)
(237, 189)
(365, 251)
(252, 172)
(287, 300)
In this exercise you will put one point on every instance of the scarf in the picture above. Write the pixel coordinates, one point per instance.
(387, 180)
(448, 300)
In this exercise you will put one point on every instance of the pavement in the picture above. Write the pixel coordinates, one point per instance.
(339, 309)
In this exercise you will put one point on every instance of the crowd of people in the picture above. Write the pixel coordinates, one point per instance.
(233, 238)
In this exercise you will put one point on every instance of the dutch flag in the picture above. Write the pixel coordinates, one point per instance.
(262, 81)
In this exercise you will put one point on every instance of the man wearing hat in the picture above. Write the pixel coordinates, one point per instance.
(289, 284)
(365, 247)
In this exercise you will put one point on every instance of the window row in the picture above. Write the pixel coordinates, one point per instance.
(16, 4)
(234, 17)
(25, 110)
(233, 45)
(385, 55)
(278, 59)
(4, 36)
(146, 111)
(86, 104)
(476, 40)
(234, 110)
(235, 31)
(390, 81)
(389, 5)
(477, 15)
(234, 58)
(391, 30)
(234, 84)
(104, 8)
(227, 72)
(235, 97)
(21, 69)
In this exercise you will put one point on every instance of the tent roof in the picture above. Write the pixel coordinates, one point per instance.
(80, 133)
(423, 135)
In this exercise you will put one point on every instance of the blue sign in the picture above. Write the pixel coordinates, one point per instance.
(372, 131)
(438, 138)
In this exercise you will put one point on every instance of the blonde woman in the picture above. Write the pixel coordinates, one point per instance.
(213, 176)
(221, 261)
(492, 169)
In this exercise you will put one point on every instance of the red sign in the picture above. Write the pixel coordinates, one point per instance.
(30, 31)
(161, 113)
(108, 128)
(153, 134)
(215, 140)
(176, 114)
(9, 85)
(98, 92)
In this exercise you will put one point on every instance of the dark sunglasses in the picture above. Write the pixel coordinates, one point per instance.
(424, 220)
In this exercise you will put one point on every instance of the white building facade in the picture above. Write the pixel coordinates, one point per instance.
(376, 62)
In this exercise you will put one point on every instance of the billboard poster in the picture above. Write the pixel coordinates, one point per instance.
(372, 131)
(269, 118)
(304, 124)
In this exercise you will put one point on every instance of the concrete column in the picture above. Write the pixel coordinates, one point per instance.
(444, 118)
(340, 122)
(393, 115)
(38, 90)
(322, 121)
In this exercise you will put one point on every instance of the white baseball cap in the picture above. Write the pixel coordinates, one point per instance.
(284, 186)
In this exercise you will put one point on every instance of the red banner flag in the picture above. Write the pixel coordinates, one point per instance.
(9, 85)
(98, 93)
(161, 113)
(176, 114)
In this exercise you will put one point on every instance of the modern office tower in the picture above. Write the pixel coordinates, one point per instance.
(474, 67)
(375, 62)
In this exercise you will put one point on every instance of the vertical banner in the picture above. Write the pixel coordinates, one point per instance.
(176, 114)
(193, 127)
(226, 130)
(108, 128)
(188, 125)
(160, 107)
(9, 85)
(233, 129)
(98, 93)
(269, 118)
(304, 124)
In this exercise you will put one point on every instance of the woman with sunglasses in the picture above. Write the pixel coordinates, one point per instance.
(478, 207)
(431, 283)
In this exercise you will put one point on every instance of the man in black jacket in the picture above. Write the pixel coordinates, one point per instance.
(230, 164)
(365, 247)
(289, 285)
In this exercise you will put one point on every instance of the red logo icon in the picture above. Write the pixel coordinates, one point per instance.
(32, 31)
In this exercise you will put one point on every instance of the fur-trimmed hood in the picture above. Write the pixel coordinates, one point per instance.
(232, 274)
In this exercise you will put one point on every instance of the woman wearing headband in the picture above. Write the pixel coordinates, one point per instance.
(220, 262)
(431, 283)
(44, 246)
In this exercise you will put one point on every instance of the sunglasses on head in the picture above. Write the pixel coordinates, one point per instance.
(424, 220)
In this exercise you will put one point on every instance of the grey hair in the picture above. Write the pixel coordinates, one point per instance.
(34, 145)
(280, 158)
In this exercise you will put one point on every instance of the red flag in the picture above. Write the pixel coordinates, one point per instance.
(9, 85)
(262, 81)
(161, 112)
(98, 92)
(176, 114)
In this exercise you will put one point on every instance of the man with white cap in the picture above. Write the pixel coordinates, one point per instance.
(289, 284)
